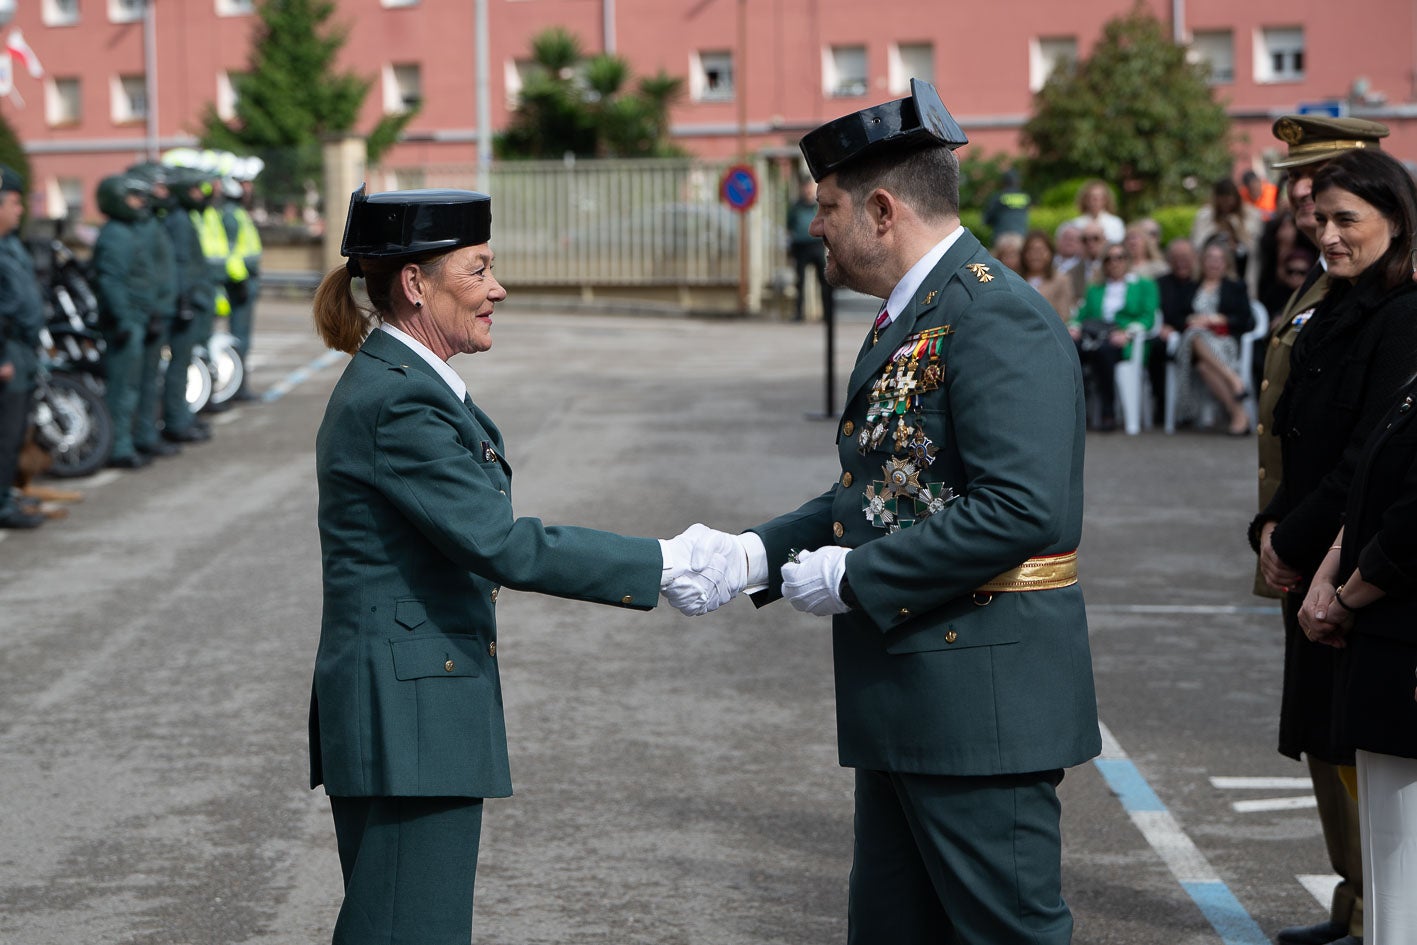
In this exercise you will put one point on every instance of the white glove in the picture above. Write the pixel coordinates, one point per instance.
(813, 583)
(715, 572)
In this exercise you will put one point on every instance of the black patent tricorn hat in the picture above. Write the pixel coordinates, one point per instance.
(920, 118)
(412, 222)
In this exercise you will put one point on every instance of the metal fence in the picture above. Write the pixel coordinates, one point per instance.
(621, 223)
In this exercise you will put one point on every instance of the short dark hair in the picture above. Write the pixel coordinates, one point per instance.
(1379, 179)
(925, 176)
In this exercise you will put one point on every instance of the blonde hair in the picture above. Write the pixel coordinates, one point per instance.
(341, 321)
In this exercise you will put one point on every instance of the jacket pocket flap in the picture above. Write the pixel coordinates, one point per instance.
(410, 612)
(956, 633)
(442, 655)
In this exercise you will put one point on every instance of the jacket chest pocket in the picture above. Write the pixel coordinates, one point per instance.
(449, 655)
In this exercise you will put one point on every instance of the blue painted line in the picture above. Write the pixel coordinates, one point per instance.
(300, 375)
(1163, 833)
(1225, 913)
(1127, 783)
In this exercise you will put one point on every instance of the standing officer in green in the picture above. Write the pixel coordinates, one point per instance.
(158, 245)
(123, 282)
(243, 268)
(417, 537)
(946, 552)
(21, 318)
(196, 301)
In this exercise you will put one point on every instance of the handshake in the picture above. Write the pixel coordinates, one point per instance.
(705, 569)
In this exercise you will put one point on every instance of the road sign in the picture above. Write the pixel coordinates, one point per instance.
(1332, 108)
(739, 187)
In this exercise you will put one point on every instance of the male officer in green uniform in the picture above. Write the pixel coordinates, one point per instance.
(1308, 667)
(946, 552)
(21, 318)
(157, 244)
(196, 303)
(123, 282)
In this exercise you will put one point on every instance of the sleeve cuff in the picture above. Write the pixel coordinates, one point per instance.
(757, 554)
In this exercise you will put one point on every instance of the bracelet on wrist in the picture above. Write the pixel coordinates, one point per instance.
(1338, 596)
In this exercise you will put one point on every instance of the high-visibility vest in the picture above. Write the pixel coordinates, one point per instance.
(248, 238)
(215, 246)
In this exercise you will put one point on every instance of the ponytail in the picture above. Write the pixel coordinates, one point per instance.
(340, 321)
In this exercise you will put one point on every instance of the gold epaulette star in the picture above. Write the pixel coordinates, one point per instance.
(981, 272)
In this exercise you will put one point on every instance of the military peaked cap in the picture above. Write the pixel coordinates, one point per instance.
(412, 222)
(920, 118)
(1314, 138)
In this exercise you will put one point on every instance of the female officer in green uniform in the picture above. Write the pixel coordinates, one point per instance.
(417, 536)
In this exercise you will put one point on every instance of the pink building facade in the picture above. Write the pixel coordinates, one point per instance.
(758, 73)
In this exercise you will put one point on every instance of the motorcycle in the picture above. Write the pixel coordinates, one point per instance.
(70, 418)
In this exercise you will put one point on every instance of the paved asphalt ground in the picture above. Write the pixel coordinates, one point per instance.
(676, 779)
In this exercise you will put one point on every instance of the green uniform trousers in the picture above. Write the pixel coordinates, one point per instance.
(123, 364)
(943, 860)
(182, 338)
(145, 431)
(409, 866)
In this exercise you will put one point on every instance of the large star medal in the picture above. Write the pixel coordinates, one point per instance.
(902, 478)
(933, 498)
(880, 507)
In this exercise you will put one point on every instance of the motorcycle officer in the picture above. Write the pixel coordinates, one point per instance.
(21, 318)
(158, 244)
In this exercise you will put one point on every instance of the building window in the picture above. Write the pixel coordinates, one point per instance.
(1048, 53)
(514, 78)
(403, 87)
(235, 7)
(65, 199)
(63, 103)
(1216, 49)
(130, 99)
(711, 76)
(1279, 54)
(126, 11)
(911, 61)
(60, 12)
(226, 96)
(844, 71)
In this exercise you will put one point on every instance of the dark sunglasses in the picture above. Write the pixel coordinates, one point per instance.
(1091, 237)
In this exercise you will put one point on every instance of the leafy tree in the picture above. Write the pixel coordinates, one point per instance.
(1136, 114)
(573, 104)
(12, 152)
(290, 97)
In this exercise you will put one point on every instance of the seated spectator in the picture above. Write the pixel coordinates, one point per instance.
(1089, 267)
(1208, 356)
(1116, 302)
(1008, 249)
(1177, 291)
(1039, 270)
(1068, 248)
(1228, 216)
(1144, 249)
(1097, 205)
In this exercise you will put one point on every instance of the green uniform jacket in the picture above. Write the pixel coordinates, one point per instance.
(195, 290)
(416, 535)
(158, 245)
(927, 680)
(1296, 314)
(123, 276)
(21, 311)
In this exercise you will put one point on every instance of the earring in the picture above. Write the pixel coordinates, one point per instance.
(418, 303)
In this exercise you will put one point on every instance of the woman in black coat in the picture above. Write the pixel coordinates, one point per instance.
(1356, 352)
(1360, 601)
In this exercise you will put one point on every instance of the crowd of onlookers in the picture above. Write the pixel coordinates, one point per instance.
(1188, 302)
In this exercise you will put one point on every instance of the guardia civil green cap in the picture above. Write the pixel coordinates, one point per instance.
(1313, 138)
(412, 222)
(10, 179)
(921, 118)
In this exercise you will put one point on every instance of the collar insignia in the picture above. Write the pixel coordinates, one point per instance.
(929, 297)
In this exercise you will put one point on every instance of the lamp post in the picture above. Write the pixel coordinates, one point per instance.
(150, 75)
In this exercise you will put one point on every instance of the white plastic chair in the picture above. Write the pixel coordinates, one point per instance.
(1247, 349)
(1133, 396)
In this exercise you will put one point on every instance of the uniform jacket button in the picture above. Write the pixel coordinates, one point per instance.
(1261, 473)
(448, 666)
(848, 428)
(1259, 428)
(627, 599)
(951, 636)
(1264, 384)
(492, 648)
(838, 529)
(846, 479)
(903, 612)
(495, 591)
